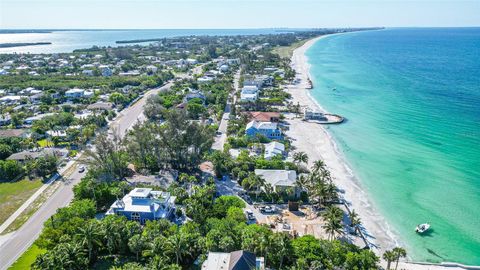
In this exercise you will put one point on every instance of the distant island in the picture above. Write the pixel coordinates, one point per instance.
(21, 44)
(138, 40)
(25, 31)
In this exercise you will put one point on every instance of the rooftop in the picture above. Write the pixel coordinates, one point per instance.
(261, 125)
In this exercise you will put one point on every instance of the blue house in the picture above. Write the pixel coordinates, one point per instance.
(143, 204)
(267, 129)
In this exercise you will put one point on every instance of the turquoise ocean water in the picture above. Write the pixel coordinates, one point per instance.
(412, 100)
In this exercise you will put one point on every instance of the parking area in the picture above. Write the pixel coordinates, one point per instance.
(276, 216)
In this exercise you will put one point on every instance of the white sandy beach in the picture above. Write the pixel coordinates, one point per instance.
(313, 139)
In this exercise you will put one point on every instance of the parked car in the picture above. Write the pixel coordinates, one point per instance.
(268, 209)
(249, 215)
(81, 169)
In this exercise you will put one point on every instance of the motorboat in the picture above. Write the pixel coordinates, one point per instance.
(421, 228)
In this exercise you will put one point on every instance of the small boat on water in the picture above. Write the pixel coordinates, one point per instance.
(421, 228)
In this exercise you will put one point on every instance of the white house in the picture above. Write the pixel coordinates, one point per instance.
(11, 99)
(237, 260)
(57, 133)
(129, 73)
(151, 68)
(279, 179)
(274, 149)
(191, 61)
(249, 93)
(313, 115)
(88, 93)
(87, 72)
(74, 93)
(204, 79)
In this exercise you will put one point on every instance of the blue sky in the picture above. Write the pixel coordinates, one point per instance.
(235, 13)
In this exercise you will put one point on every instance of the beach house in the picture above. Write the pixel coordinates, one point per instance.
(264, 116)
(143, 204)
(237, 260)
(281, 180)
(249, 93)
(267, 129)
(313, 115)
(273, 149)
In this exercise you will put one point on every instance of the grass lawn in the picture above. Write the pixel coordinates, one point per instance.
(27, 258)
(14, 194)
(32, 208)
(45, 143)
(287, 51)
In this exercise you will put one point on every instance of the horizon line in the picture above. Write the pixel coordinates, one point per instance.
(246, 28)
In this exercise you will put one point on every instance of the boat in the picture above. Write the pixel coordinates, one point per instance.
(421, 228)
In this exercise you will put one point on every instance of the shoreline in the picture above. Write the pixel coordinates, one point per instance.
(315, 140)
(326, 148)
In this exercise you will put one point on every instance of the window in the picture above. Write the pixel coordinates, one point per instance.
(135, 216)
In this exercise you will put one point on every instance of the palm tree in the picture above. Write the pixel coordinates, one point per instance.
(399, 253)
(135, 243)
(331, 192)
(269, 190)
(156, 247)
(112, 236)
(282, 241)
(90, 237)
(318, 165)
(319, 190)
(333, 218)
(302, 182)
(177, 244)
(355, 220)
(389, 256)
(300, 157)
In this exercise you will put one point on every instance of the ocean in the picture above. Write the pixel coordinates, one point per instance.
(411, 98)
(68, 40)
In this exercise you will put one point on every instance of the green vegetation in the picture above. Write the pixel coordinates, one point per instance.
(45, 143)
(53, 82)
(27, 258)
(32, 208)
(75, 240)
(287, 51)
(14, 194)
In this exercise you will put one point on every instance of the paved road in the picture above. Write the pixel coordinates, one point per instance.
(128, 117)
(20, 240)
(222, 128)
